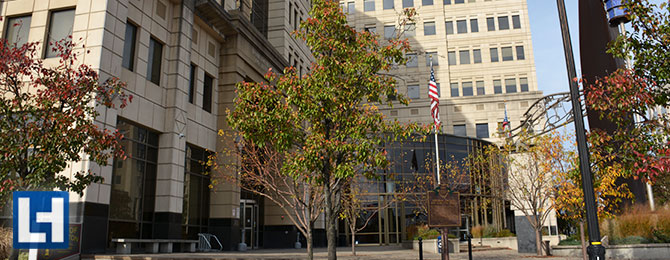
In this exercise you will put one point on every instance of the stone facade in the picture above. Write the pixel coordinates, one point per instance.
(460, 29)
(181, 61)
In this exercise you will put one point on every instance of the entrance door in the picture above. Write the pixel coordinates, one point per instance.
(249, 223)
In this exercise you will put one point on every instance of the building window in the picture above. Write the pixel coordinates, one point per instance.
(474, 25)
(412, 61)
(413, 91)
(462, 26)
(449, 26)
(368, 5)
(17, 30)
(459, 1)
(407, 3)
(351, 7)
(446, 2)
(426, 2)
(460, 130)
(259, 16)
(429, 28)
(155, 60)
(389, 31)
(191, 84)
(60, 29)
(467, 89)
(207, 93)
(133, 188)
(481, 89)
(503, 23)
(510, 85)
(507, 53)
(129, 43)
(451, 57)
(490, 24)
(477, 55)
(520, 54)
(464, 56)
(195, 210)
(497, 86)
(296, 19)
(389, 4)
(436, 60)
(482, 130)
(523, 82)
(454, 89)
(516, 22)
(410, 30)
(494, 55)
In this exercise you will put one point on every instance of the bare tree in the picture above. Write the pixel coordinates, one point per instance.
(357, 210)
(261, 172)
(531, 185)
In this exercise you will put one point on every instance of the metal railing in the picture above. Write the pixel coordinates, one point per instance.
(204, 242)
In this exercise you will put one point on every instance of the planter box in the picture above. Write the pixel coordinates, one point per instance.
(507, 242)
(430, 245)
(641, 251)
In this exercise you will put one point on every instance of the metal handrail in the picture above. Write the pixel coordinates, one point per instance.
(205, 244)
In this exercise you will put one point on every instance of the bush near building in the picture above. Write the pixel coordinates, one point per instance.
(638, 225)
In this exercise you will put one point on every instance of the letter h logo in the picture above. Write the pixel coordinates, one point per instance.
(41, 219)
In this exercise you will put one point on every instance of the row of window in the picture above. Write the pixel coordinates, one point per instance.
(470, 88)
(467, 88)
(464, 56)
(461, 27)
(481, 130)
(154, 64)
(60, 26)
(369, 5)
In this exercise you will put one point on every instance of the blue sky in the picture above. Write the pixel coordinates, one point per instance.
(552, 75)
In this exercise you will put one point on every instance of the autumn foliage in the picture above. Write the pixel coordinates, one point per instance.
(48, 114)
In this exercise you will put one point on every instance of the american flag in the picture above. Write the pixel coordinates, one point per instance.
(434, 98)
(505, 124)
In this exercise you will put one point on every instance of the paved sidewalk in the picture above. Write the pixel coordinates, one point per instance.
(363, 252)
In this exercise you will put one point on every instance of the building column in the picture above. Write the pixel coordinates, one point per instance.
(172, 145)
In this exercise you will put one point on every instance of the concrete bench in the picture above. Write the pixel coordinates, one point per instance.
(124, 245)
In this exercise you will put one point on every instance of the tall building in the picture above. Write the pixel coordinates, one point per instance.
(181, 61)
(484, 67)
(481, 52)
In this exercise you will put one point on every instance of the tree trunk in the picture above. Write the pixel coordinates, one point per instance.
(538, 240)
(353, 242)
(581, 235)
(331, 234)
(310, 243)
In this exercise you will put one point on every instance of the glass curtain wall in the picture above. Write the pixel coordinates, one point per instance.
(133, 193)
(411, 160)
(195, 212)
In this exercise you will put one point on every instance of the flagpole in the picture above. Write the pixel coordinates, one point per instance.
(437, 150)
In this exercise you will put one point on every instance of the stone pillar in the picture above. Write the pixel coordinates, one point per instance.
(172, 146)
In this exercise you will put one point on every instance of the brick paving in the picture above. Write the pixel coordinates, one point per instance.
(363, 252)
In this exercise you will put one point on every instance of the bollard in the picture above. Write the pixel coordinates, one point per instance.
(469, 246)
(420, 248)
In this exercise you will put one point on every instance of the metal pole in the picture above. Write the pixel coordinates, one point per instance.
(469, 246)
(595, 249)
(437, 149)
(445, 243)
(420, 248)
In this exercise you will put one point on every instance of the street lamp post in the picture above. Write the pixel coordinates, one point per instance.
(595, 249)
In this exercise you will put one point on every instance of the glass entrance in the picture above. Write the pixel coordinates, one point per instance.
(249, 222)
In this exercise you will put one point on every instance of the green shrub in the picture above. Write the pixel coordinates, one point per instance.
(504, 233)
(570, 241)
(425, 232)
